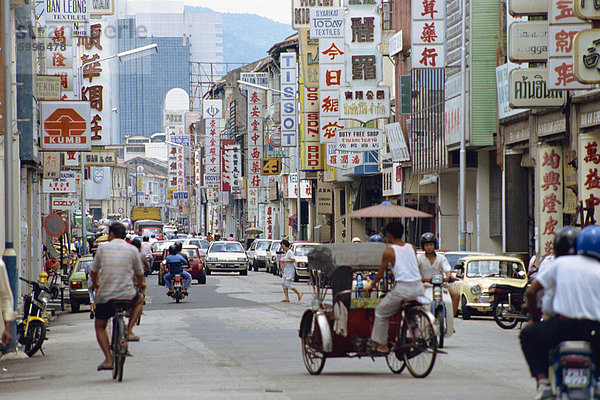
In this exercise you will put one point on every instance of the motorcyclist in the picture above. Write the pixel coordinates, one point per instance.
(575, 280)
(432, 263)
(174, 263)
(147, 257)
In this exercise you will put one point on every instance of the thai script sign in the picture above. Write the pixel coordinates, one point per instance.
(359, 139)
(365, 104)
(529, 88)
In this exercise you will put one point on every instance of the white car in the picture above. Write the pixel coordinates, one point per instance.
(300, 250)
(258, 253)
(226, 257)
(272, 257)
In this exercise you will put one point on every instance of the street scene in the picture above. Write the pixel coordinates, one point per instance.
(300, 199)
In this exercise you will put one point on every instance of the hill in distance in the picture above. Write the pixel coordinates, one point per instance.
(247, 37)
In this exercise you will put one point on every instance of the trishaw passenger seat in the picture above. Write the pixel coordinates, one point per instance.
(341, 279)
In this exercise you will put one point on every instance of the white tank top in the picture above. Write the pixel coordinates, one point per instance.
(406, 268)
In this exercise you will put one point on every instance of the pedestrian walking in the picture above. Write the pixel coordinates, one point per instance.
(288, 272)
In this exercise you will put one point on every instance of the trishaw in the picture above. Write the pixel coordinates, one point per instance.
(343, 327)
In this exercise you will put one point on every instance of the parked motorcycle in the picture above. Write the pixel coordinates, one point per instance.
(572, 371)
(31, 328)
(508, 306)
(445, 321)
(178, 294)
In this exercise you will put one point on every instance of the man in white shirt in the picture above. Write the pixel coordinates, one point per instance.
(146, 250)
(575, 281)
(432, 263)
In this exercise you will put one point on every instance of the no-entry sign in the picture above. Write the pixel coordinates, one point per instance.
(54, 225)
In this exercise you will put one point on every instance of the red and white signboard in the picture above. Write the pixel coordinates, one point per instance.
(551, 196)
(65, 204)
(428, 28)
(561, 69)
(65, 125)
(589, 171)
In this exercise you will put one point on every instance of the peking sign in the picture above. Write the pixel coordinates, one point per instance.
(65, 125)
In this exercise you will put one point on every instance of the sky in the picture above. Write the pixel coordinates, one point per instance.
(277, 10)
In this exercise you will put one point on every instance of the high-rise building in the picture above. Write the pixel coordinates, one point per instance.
(181, 38)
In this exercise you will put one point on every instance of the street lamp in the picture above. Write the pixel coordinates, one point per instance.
(298, 194)
(123, 56)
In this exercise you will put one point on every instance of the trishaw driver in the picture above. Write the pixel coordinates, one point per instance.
(408, 285)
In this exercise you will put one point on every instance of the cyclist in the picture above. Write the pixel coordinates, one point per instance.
(117, 262)
(408, 285)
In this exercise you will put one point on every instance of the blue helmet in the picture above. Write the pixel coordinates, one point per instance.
(588, 241)
(377, 238)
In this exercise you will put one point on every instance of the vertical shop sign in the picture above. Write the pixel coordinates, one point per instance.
(589, 171)
(289, 67)
(332, 76)
(428, 26)
(551, 196)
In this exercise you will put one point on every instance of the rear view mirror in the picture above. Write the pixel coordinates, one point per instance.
(459, 271)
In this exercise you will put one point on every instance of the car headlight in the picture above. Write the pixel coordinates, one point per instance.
(476, 289)
(44, 297)
(302, 265)
(241, 259)
(211, 259)
(437, 279)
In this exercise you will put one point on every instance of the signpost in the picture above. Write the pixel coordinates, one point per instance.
(55, 225)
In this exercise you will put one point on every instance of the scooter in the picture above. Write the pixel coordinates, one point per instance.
(572, 371)
(445, 322)
(178, 294)
(31, 328)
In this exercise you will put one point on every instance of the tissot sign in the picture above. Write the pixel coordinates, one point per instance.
(65, 125)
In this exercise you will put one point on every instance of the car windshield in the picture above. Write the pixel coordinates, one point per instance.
(150, 231)
(190, 253)
(302, 250)
(503, 269)
(226, 247)
(204, 244)
(262, 245)
(84, 265)
(160, 246)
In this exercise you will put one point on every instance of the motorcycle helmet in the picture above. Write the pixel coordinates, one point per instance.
(172, 249)
(377, 238)
(428, 237)
(356, 239)
(565, 241)
(588, 242)
(178, 246)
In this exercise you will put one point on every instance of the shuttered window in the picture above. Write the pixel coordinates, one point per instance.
(495, 197)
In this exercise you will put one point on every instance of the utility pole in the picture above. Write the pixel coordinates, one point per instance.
(10, 256)
(462, 237)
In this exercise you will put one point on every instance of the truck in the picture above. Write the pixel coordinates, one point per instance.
(147, 221)
(141, 213)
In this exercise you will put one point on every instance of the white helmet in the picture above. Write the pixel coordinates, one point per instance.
(356, 239)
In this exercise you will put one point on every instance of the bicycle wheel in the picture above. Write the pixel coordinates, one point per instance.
(395, 361)
(120, 363)
(36, 334)
(117, 336)
(420, 343)
(314, 359)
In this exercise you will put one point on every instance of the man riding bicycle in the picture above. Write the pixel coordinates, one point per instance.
(117, 262)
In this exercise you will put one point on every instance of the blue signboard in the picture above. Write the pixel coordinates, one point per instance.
(183, 140)
(180, 195)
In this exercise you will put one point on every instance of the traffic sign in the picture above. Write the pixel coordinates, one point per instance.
(275, 140)
(270, 166)
(55, 225)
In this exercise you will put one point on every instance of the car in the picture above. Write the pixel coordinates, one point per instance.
(272, 256)
(158, 252)
(195, 265)
(226, 256)
(474, 276)
(257, 253)
(201, 243)
(300, 250)
(78, 283)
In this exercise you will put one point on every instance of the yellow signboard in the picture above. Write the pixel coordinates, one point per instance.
(170, 192)
(270, 166)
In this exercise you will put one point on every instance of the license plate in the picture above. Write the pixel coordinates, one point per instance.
(229, 265)
(177, 284)
(576, 377)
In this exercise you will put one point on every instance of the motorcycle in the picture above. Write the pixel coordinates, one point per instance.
(508, 306)
(178, 294)
(148, 261)
(445, 322)
(31, 328)
(572, 371)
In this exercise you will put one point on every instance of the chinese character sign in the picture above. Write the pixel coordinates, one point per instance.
(561, 69)
(428, 33)
(363, 35)
(332, 77)
(255, 136)
(550, 186)
(589, 171)
(212, 147)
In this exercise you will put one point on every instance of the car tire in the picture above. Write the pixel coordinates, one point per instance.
(75, 306)
(255, 267)
(207, 271)
(244, 272)
(161, 279)
(464, 310)
(202, 279)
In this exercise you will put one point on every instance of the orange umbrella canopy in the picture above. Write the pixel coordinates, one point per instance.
(387, 210)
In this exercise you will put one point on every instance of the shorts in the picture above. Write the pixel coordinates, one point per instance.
(107, 310)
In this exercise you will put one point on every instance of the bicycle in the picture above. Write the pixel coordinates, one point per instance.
(119, 343)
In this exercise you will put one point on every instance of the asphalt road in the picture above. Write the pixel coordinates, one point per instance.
(233, 339)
